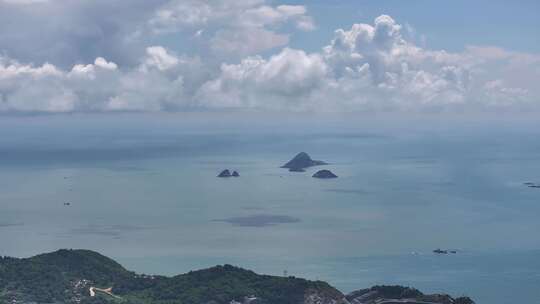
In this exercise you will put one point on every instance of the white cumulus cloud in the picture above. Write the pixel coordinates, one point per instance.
(367, 67)
(241, 27)
(372, 67)
(284, 80)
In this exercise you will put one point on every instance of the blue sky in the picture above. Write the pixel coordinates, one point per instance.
(449, 25)
(268, 56)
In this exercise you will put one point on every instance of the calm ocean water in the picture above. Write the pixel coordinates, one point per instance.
(143, 191)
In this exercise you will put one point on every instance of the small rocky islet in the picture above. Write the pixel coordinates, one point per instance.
(298, 163)
(302, 161)
(324, 174)
(227, 173)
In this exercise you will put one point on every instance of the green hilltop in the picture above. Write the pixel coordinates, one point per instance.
(84, 277)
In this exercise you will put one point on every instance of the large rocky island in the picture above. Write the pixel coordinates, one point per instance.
(83, 276)
(302, 161)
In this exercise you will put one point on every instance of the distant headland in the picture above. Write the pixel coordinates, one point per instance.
(84, 276)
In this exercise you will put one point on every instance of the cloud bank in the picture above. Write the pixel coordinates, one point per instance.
(239, 59)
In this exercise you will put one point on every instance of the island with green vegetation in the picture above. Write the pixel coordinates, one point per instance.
(87, 277)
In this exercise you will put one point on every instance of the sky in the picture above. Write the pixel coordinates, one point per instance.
(63, 56)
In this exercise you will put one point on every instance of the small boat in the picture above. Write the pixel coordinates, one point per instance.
(439, 251)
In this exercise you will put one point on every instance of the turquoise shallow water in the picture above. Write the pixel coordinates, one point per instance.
(145, 193)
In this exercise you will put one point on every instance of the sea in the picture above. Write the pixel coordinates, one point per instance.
(142, 189)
